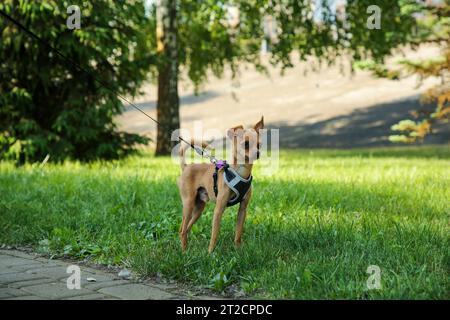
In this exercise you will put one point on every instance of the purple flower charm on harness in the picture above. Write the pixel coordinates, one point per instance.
(220, 164)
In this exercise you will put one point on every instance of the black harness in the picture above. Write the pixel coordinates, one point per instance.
(234, 181)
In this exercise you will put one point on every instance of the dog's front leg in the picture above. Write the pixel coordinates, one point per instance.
(241, 217)
(221, 204)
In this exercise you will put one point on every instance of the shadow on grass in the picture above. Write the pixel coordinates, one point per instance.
(352, 197)
(368, 127)
(394, 151)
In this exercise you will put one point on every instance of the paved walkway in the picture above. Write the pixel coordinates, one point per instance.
(28, 276)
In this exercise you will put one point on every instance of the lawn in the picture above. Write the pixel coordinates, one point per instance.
(312, 230)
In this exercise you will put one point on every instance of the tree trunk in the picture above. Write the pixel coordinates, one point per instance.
(168, 102)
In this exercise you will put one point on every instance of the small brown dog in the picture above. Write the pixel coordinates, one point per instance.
(197, 185)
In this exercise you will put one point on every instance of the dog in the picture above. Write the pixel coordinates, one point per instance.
(197, 186)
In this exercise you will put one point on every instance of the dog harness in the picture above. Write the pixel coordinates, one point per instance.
(234, 181)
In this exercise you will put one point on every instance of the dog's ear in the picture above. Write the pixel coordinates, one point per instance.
(233, 132)
(259, 125)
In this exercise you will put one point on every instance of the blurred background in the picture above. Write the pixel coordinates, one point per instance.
(329, 107)
(326, 73)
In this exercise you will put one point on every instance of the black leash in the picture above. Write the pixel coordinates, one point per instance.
(200, 151)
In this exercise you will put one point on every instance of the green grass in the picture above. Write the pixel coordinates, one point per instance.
(312, 229)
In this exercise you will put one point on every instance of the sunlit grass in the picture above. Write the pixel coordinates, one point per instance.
(312, 230)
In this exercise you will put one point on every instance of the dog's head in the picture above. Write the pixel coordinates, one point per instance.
(246, 142)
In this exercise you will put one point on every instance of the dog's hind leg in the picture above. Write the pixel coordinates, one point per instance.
(196, 213)
(200, 202)
(188, 206)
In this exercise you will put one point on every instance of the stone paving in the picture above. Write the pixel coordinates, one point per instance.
(25, 276)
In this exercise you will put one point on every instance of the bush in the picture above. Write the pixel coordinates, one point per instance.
(48, 106)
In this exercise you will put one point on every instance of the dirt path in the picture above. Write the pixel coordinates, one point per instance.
(320, 109)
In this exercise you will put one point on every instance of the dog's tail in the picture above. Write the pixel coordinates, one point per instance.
(186, 147)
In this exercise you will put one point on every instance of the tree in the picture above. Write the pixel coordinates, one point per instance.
(433, 27)
(47, 106)
(209, 39)
(168, 100)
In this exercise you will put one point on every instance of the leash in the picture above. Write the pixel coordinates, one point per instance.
(200, 150)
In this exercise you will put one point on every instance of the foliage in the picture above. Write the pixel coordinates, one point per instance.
(434, 29)
(377, 69)
(210, 41)
(49, 107)
(439, 94)
(311, 232)
(416, 130)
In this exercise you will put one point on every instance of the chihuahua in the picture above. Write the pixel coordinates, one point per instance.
(197, 185)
